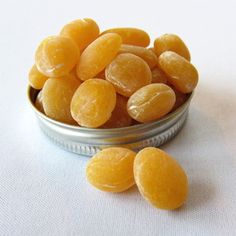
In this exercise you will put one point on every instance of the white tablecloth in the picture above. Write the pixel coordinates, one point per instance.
(43, 190)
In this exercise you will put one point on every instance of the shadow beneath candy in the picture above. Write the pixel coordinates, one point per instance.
(131, 191)
(127, 193)
(200, 194)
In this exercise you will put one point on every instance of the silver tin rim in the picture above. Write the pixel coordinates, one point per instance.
(87, 141)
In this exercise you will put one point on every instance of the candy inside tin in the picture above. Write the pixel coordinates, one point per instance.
(87, 141)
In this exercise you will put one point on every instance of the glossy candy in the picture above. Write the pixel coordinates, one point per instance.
(56, 56)
(171, 42)
(57, 94)
(128, 72)
(98, 55)
(181, 73)
(151, 102)
(82, 31)
(93, 103)
(111, 169)
(160, 179)
(131, 36)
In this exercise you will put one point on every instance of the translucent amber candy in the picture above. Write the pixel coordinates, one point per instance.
(56, 56)
(128, 72)
(101, 75)
(152, 49)
(56, 95)
(111, 169)
(181, 73)
(160, 179)
(120, 117)
(36, 79)
(131, 36)
(151, 102)
(171, 42)
(93, 103)
(39, 102)
(146, 54)
(180, 98)
(82, 31)
(158, 76)
(98, 55)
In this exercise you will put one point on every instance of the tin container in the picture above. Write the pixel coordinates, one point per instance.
(87, 141)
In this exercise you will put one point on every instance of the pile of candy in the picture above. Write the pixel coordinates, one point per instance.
(110, 79)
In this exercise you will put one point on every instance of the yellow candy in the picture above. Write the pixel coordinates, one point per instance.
(111, 169)
(56, 56)
(56, 97)
(160, 179)
(98, 55)
(82, 31)
(181, 73)
(128, 72)
(93, 103)
(131, 36)
(171, 42)
(151, 102)
(146, 54)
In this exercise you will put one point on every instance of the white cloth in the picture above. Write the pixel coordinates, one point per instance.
(43, 190)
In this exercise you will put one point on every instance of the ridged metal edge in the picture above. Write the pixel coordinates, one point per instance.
(89, 150)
